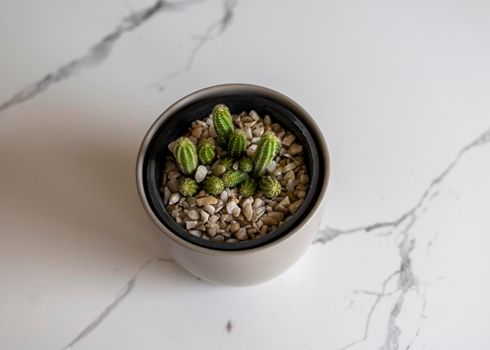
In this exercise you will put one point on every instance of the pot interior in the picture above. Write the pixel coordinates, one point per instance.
(176, 125)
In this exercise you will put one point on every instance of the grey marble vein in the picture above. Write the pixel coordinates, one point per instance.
(377, 300)
(213, 31)
(407, 281)
(128, 288)
(96, 54)
(384, 227)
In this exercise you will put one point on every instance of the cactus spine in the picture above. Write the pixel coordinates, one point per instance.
(237, 143)
(245, 164)
(266, 151)
(186, 156)
(213, 185)
(223, 123)
(270, 186)
(206, 152)
(248, 187)
(188, 187)
(233, 178)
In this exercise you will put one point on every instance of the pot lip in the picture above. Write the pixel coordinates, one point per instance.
(212, 90)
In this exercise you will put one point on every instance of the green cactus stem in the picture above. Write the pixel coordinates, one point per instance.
(270, 186)
(237, 143)
(233, 178)
(223, 123)
(246, 164)
(265, 153)
(188, 187)
(206, 152)
(248, 187)
(186, 156)
(213, 185)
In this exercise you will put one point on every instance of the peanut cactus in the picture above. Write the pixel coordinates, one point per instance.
(206, 152)
(233, 178)
(270, 186)
(237, 143)
(213, 185)
(186, 156)
(265, 153)
(245, 164)
(223, 123)
(248, 187)
(188, 187)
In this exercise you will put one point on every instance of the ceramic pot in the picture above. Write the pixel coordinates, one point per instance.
(247, 262)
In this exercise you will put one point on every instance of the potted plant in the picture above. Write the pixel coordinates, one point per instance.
(234, 176)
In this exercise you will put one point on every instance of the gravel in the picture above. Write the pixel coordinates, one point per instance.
(229, 217)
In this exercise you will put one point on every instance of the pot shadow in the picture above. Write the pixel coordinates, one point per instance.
(78, 206)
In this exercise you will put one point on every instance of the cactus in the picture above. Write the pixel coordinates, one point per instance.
(237, 143)
(227, 163)
(188, 187)
(266, 151)
(213, 185)
(233, 178)
(245, 164)
(185, 154)
(206, 152)
(270, 186)
(248, 187)
(278, 147)
(223, 123)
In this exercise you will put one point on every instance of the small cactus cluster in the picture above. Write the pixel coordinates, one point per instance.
(206, 152)
(267, 149)
(185, 154)
(223, 123)
(229, 151)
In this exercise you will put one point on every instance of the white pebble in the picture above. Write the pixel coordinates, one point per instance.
(209, 208)
(204, 216)
(272, 167)
(230, 206)
(201, 173)
(236, 212)
(193, 214)
(190, 224)
(174, 198)
(247, 210)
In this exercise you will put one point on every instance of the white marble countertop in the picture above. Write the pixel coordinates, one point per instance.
(402, 93)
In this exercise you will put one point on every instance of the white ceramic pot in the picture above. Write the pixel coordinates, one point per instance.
(243, 263)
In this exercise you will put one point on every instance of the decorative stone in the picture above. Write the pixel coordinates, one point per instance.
(209, 208)
(207, 200)
(247, 210)
(236, 212)
(219, 170)
(234, 227)
(295, 206)
(267, 220)
(295, 149)
(174, 198)
(190, 224)
(204, 216)
(201, 173)
(230, 206)
(193, 214)
(288, 140)
(241, 234)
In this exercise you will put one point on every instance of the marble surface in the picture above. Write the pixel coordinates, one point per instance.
(402, 93)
